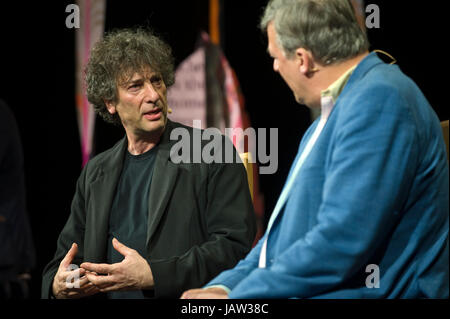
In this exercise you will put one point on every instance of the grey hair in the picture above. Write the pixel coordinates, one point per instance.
(114, 60)
(327, 28)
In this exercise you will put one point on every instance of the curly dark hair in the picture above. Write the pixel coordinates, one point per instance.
(118, 56)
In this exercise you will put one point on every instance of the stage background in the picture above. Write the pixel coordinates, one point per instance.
(37, 62)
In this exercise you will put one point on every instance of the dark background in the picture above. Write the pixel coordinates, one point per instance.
(37, 65)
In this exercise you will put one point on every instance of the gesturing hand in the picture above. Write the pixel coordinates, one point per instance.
(71, 283)
(132, 273)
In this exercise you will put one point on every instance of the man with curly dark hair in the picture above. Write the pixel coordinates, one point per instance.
(140, 225)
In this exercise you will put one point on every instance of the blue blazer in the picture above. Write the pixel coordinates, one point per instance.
(373, 191)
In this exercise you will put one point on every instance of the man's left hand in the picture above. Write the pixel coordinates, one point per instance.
(133, 273)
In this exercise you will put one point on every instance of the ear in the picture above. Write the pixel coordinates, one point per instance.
(305, 60)
(110, 106)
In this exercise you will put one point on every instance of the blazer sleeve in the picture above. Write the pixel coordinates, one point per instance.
(232, 277)
(73, 232)
(231, 228)
(372, 163)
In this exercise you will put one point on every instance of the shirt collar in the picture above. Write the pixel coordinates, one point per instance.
(330, 95)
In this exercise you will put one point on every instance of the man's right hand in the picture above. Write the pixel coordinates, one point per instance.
(71, 283)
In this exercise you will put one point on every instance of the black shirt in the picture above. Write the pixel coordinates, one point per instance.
(129, 212)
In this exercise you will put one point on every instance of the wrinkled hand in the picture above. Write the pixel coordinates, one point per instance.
(71, 283)
(205, 293)
(132, 273)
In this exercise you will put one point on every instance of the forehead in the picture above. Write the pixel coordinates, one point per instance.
(272, 46)
(133, 74)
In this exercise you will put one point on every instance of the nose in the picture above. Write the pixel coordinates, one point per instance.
(151, 95)
(275, 65)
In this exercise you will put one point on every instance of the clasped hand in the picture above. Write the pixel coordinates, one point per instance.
(132, 273)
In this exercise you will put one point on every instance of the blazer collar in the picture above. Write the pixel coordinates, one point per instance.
(366, 64)
(165, 175)
(102, 192)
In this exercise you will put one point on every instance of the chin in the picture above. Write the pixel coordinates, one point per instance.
(159, 125)
(299, 100)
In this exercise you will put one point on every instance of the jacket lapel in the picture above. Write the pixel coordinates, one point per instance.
(102, 192)
(103, 189)
(165, 174)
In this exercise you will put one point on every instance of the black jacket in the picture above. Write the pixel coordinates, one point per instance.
(201, 219)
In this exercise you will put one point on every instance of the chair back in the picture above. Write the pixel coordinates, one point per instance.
(247, 161)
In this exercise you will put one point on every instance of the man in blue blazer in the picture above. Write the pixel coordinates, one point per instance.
(364, 211)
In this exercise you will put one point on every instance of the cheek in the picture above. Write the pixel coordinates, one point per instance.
(287, 79)
(163, 99)
(127, 110)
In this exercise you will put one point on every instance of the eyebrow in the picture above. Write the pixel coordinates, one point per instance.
(126, 84)
(140, 78)
(150, 76)
(135, 81)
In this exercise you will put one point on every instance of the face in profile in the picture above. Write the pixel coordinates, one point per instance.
(288, 68)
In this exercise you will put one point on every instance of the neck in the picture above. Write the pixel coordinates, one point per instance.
(141, 143)
(330, 74)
